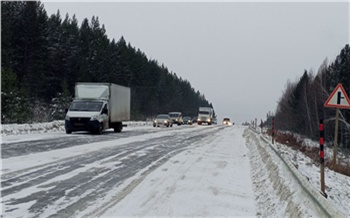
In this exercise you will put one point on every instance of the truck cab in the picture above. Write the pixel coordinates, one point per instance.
(90, 115)
(205, 115)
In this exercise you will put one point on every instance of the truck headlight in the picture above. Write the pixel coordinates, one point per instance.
(165, 121)
(95, 117)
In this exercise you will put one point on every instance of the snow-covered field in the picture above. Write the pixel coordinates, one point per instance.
(234, 174)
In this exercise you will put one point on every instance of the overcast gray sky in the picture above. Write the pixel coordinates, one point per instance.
(239, 55)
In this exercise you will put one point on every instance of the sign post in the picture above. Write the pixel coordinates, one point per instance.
(338, 99)
(334, 163)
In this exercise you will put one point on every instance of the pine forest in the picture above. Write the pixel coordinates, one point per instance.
(43, 56)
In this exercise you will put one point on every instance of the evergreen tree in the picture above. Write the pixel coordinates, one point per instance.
(56, 56)
(31, 48)
(43, 57)
(60, 103)
(84, 52)
(15, 103)
(302, 104)
(70, 51)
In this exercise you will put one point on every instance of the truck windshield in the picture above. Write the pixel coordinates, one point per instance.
(174, 115)
(86, 106)
(163, 116)
(204, 112)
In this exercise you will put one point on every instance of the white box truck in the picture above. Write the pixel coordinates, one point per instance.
(176, 117)
(97, 107)
(205, 115)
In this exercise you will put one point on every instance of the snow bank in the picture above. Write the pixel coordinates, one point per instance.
(325, 205)
(21, 129)
(54, 126)
(307, 173)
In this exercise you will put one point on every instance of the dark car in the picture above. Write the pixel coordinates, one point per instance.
(194, 119)
(187, 120)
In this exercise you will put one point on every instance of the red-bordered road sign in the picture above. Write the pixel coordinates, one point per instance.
(338, 98)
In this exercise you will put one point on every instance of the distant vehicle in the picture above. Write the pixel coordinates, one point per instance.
(187, 120)
(205, 115)
(176, 117)
(162, 120)
(97, 107)
(226, 121)
(194, 119)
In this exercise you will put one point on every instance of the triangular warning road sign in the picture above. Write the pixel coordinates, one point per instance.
(338, 98)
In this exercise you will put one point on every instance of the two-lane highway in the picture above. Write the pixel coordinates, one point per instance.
(103, 163)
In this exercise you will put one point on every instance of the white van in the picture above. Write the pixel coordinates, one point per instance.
(176, 117)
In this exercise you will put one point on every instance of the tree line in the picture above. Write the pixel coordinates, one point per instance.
(44, 56)
(301, 105)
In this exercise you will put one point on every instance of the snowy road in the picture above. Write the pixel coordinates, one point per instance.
(59, 141)
(181, 171)
(63, 177)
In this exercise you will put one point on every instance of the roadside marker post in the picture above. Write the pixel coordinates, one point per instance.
(322, 157)
(338, 99)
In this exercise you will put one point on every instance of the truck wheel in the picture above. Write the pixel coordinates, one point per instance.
(68, 131)
(99, 131)
(199, 123)
(118, 127)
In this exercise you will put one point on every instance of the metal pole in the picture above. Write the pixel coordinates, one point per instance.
(335, 139)
(322, 157)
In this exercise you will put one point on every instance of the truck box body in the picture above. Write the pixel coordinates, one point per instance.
(98, 104)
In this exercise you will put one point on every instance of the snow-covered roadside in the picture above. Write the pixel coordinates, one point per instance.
(49, 127)
(337, 185)
(25, 129)
(276, 193)
(39, 131)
